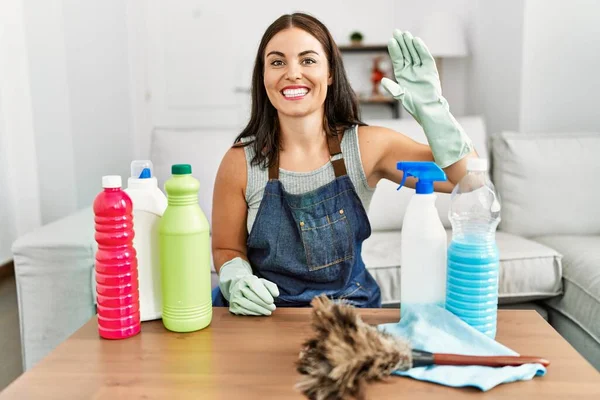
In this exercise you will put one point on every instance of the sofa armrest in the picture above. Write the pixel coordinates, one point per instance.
(54, 271)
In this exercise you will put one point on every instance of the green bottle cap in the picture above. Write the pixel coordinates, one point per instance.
(181, 169)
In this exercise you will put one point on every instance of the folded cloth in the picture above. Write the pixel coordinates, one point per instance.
(436, 330)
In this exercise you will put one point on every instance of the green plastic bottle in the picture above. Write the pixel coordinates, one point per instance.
(184, 255)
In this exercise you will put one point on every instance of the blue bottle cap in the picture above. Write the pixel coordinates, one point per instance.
(145, 174)
(141, 169)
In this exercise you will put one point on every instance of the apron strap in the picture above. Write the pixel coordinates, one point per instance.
(335, 148)
(274, 168)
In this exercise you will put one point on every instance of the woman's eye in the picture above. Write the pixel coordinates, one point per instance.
(277, 63)
(308, 61)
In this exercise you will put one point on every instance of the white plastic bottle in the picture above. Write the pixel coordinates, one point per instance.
(149, 204)
(424, 240)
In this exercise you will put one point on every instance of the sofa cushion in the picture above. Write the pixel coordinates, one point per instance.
(388, 204)
(55, 282)
(539, 177)
(528, 270)
(581, 280)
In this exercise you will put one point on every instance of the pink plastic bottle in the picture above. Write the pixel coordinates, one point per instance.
(116, 263)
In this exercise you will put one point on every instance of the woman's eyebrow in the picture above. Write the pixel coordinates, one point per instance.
(303, 53)
(276, 53)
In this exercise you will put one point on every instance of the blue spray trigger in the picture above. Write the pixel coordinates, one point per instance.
(404, 176)
(145, 174)
(426, 173)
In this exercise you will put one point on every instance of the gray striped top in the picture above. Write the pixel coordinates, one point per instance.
(303, 182)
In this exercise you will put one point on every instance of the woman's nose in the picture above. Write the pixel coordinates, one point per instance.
(293, 72)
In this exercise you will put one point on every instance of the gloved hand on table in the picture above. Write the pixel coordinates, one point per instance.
(247, 294)
(418, 88)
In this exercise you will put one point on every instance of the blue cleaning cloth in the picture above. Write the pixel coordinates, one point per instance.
(434, 329)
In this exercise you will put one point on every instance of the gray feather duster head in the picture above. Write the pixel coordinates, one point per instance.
(345, 353)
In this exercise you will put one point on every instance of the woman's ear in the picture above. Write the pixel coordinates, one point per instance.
(329, 80)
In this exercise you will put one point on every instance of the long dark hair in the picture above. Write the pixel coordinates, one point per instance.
(341, 104)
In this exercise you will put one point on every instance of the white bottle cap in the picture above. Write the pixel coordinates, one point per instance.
(477, 164)
(111, 181)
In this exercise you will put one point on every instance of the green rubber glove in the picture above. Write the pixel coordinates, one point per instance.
(418, 88)
(247, 294)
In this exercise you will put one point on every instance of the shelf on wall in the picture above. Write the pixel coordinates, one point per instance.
(367, 48)
(384, 100)
(376, 99)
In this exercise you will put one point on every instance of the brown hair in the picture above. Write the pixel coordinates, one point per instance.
(341, 104)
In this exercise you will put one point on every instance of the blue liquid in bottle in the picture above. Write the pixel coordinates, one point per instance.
(473, 257)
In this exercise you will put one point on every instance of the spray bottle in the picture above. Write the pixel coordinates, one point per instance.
(424, 239)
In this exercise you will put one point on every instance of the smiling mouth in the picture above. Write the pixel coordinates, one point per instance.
(294, 94)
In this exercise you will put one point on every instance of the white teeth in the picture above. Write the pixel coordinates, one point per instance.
(295, 92)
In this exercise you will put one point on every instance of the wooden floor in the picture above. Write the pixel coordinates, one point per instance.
(10, 341)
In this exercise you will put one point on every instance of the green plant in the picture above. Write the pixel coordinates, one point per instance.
(356, 36)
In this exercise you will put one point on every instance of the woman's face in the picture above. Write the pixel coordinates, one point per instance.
(296, 73)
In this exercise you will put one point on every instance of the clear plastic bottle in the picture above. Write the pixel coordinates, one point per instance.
(473, 258)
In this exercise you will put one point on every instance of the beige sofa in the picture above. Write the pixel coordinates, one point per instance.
(548, 239)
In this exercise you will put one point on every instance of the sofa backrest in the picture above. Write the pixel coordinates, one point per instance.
(204, 148)
(548, 183)
(388, 204)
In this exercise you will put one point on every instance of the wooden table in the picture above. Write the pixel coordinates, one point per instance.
(253, 358)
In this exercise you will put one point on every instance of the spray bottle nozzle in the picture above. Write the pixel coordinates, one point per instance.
(426, 173)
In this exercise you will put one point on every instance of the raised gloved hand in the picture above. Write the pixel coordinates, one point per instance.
(418, 88)
(247, 294)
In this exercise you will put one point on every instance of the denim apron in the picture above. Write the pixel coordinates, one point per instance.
(311, 244)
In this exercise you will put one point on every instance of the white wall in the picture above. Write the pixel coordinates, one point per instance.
(98, 70)
(496, 32)
(51, 108)
(19, 198)
(561, 66)
(535, 65)
(80, 91)
(8, 229)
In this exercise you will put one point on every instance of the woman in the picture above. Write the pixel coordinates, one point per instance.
(290, 199)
